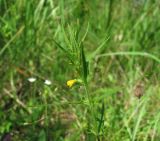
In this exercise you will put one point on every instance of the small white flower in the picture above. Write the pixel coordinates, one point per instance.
(31, 79)
(47, 82)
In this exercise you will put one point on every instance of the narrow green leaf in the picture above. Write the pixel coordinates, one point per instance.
(101, 121)
(84, 64)
(58, 45)
(99, 49)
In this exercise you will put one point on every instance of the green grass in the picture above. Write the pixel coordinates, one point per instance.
(110, 47)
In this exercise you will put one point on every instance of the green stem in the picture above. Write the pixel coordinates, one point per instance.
(145, 54)
(91, 109)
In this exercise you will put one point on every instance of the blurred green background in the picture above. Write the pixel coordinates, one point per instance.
(122, 45)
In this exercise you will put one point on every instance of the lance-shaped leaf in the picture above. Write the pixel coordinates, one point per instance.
(84, 66)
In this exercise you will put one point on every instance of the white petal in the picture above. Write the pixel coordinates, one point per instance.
(31, 79)
(47, 82)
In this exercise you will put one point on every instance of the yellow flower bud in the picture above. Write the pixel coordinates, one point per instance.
(70, 83)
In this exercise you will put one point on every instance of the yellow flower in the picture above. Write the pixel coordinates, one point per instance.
(70, 83)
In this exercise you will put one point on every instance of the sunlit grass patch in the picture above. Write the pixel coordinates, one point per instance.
(79, 70)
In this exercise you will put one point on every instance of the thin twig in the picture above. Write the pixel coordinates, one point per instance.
(18, 101)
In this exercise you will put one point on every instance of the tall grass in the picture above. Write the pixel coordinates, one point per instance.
(110, 49)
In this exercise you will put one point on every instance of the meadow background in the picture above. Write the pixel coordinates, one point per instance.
(110, 47)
